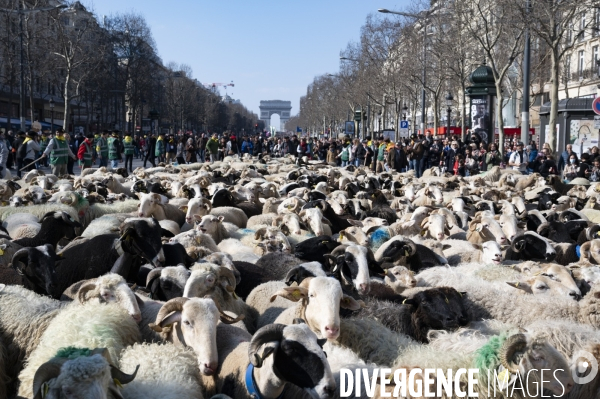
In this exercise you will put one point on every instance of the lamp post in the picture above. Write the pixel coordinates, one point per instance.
(51, 102)
(22, 11)
(130, 115)
(449, 100)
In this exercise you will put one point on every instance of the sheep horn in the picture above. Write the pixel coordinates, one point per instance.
(46, 372)
(153, 274)
(172, 305)
(268, 333)
(225, 318)
(83, 290)
(229, 276)
(512, 345)
(19, 255)
(122, 377)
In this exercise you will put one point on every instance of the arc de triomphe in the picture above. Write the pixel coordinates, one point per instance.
(270, 107)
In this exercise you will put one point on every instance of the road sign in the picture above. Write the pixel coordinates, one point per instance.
(596, 105)
(403, 131)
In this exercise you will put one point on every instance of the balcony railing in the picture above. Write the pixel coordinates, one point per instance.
(586, 74)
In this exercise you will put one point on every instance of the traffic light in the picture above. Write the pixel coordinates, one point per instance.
(358, 115)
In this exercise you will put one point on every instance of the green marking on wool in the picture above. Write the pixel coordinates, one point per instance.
(487, 357)
(71, 352)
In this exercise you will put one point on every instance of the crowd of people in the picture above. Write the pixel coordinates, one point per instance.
(419, 152)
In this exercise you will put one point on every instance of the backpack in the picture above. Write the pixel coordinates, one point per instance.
(22, 151)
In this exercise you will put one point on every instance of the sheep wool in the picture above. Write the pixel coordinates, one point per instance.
(87, 326)
(486, 357)
(167, 371)
(378, 237)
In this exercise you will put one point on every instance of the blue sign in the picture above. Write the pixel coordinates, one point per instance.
(403, 124)
(596, 105)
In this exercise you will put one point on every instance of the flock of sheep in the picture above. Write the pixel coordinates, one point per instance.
(264, 278)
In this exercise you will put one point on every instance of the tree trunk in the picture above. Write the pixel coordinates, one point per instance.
(498, 118)
(463, 113)
(552, 133)
(67, 100)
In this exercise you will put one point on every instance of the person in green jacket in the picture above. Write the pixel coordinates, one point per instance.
(114, 149)
(159, 150)
(102, 148)
(128, 150)
(43, 144)
(213, 148)
(58, 149)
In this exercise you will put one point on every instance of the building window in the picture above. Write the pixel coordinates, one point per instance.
(596, 27)
(580, 64)
(568, 68)
(594, 56)
(581, 34)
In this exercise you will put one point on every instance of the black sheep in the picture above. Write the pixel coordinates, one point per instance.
(55, 226)
(33, 268)
(404, 252)
(314, 249)
(175, 254)
(439, 308)
(381, 208)
(555, 231)
(140, 238)
(530, 246)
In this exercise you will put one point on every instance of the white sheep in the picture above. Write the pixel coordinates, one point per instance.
(195, 238)
(166, 371)
(87, 326)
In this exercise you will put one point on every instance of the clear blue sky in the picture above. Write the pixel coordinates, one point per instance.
(271, 50)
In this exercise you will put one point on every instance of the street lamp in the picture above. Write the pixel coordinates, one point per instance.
(51, 102)
(21, 11)
(449, 100)
(424, 18)
(97, 120)
(404, 112)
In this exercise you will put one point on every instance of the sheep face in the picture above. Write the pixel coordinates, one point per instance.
(143, 235)
(83, 377)
(210, 224)
(531, 246)
(315, 248)
(297, 355)
(590, 251)
(195, 207)
(492, 253)
(400, 278)
(314, 218)
(36, 264)
(437, 309)
(321, 298)
(353, 266)
(489, 228)
(353, 235)
(149, 204)
(535, 356)
(196, 326)
(290, 223)
(542, 285)
(436, 226)
(167, 283)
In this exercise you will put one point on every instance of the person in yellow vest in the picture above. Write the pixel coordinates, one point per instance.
(128, 150)
(114, 149)
(59, 151)
(102, 148)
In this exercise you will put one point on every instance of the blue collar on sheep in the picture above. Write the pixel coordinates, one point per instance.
(251, 384)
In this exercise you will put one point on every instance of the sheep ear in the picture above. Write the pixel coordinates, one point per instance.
(479, 247)
(183, 208)
(356, 223)
(260, 233)
(347, 302)
(221, 218)
(326, 221)
(293, 294)
(521, 286)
